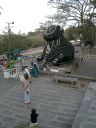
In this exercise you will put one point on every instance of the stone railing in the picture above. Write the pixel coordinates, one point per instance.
(52, 74)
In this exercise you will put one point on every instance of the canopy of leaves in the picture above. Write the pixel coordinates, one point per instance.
(71, 33)
(75, 11)
(10, 42)
(78, 13)
(87, 31)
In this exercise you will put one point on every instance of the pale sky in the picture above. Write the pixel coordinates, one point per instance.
(26, 14)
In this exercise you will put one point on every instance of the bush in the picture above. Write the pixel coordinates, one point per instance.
(26, 125)
(35, 126)
(22, 125)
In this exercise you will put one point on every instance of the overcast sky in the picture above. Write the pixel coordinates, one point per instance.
(26, 14)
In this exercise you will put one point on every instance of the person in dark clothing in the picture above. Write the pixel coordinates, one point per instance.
(33, 117)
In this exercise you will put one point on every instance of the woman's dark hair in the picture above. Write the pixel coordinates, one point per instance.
(35, 66)
(31, 63)
(26, 76)
(33, 111)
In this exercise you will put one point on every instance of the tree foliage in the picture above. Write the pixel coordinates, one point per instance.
(71, 33)
(78, 13)
(73, 10)
(10, 42)
(88, 31)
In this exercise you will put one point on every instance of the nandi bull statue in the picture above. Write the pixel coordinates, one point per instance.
(57, 49)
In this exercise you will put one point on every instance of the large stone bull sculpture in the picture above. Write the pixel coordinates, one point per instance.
(57, 49)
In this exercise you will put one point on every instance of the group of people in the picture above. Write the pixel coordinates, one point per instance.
(26, 83)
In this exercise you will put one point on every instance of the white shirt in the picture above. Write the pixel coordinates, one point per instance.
(27, 71)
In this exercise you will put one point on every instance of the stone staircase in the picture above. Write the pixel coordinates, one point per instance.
(58, 105)
(61, 103)
(86, 116)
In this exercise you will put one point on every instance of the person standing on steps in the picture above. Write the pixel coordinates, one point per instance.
(27, 88)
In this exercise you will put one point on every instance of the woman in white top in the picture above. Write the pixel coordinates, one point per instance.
(27, 88)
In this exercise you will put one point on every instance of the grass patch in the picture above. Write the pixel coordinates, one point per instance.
(26, 125)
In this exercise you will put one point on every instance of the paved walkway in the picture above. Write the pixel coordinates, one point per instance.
(57, 105)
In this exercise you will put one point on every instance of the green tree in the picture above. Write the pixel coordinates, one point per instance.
(88, 31)
(9, 43)
(75, 11)
(71, 33)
